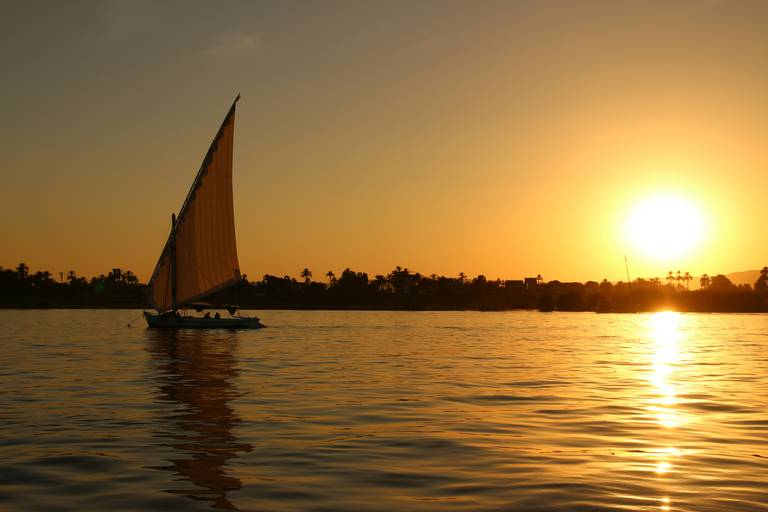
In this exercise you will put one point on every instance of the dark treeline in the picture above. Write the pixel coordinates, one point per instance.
(402, 289)
(20, 288)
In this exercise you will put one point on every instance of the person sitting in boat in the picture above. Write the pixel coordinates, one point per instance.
(207, 315)
(218, 316)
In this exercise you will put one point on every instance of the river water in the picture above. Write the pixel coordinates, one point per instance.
(381, 411)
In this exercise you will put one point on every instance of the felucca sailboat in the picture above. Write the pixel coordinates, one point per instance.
(200, 256)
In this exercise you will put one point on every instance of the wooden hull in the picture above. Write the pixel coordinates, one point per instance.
(194, 322)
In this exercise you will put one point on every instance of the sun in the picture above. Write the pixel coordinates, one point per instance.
(665, 227)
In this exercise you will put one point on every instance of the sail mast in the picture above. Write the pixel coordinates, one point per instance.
(629, 281)
(173, 261)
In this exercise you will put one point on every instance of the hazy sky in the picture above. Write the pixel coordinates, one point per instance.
(503, 138)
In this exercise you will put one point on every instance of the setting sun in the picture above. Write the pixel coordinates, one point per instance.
(665, 227)
(426, 256)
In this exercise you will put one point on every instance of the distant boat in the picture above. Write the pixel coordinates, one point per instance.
(199, 258)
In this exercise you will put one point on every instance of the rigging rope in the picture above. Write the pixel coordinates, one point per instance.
(129, 323)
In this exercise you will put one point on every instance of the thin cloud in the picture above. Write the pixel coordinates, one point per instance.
(701, 7)
(231, 46)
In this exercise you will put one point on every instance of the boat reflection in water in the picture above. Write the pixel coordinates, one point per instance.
(195, 372)
(665, 334)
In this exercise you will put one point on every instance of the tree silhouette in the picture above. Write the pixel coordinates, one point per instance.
(400, 279)
(306, 274)
(380, 283)
(351, 280)
(130, 278)
(401, 289)
(761, 285)
(720, 283)
(22, 270)
(331, 277)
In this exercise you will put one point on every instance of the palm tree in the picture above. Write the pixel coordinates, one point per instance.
(22, 270)
(687, 277)
(71, 276)
(670, 277)
(331, 277)
(704, 281)
(306, 274)
(462, 277)
(380, 282)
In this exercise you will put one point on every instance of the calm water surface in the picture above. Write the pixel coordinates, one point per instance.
(380, 411)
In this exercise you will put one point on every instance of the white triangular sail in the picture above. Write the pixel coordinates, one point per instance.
(201, 248)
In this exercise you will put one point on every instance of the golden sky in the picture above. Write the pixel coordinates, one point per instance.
(499, 138)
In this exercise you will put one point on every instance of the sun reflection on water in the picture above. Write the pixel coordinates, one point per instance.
(665, 334)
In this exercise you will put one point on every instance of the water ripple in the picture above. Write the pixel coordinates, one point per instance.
(374, 411)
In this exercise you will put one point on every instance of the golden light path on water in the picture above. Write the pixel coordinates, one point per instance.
(378, 411)
(665, 334)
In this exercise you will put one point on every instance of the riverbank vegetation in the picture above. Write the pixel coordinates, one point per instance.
(401, 289)
(20, 287)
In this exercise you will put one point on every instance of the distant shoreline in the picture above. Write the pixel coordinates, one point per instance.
(320, 308)
(400, 290)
